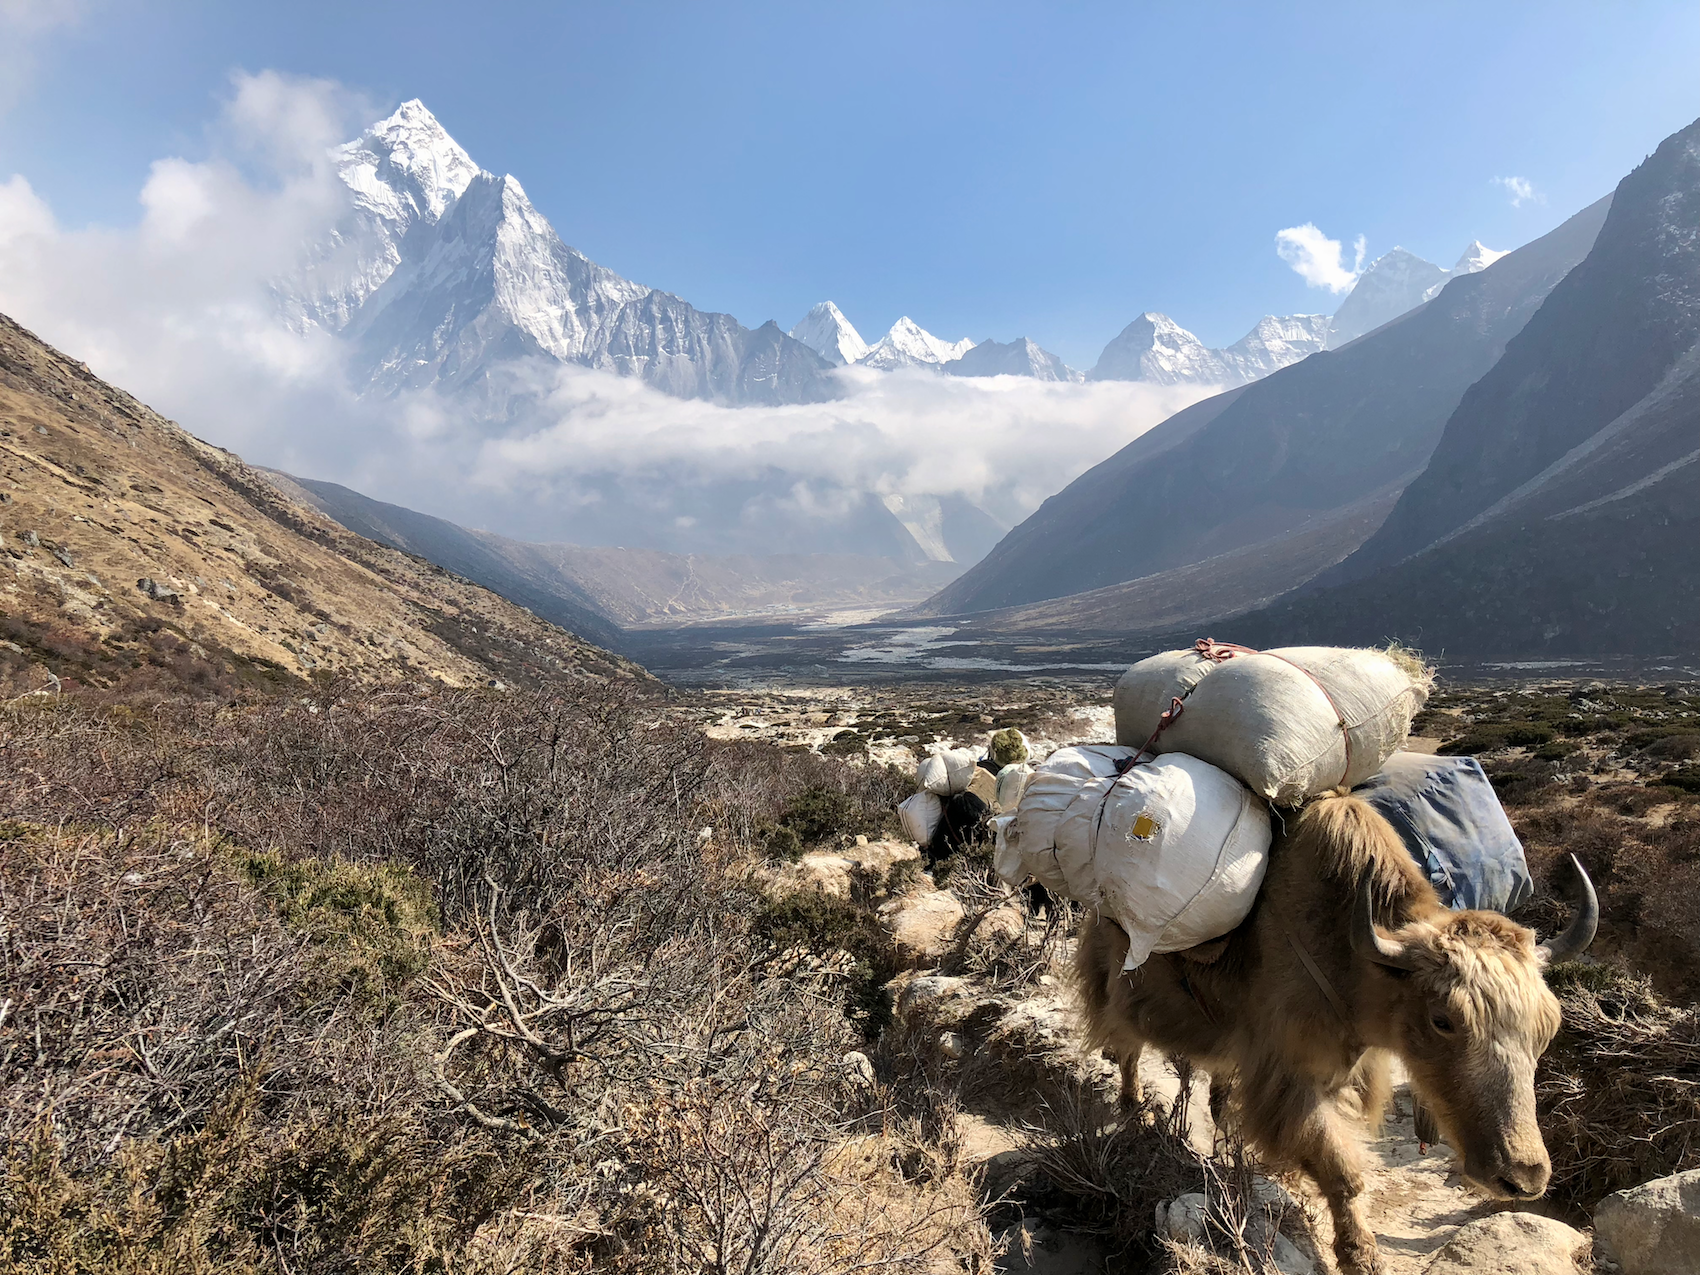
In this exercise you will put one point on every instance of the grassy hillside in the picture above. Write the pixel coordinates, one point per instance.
(132, 553)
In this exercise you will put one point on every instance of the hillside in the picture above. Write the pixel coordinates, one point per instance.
(1561, 512)
(136, 551)
(1281, 456)
(1610, 332)
(596, 591)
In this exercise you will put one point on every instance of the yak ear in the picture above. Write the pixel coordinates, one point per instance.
(1370, 942)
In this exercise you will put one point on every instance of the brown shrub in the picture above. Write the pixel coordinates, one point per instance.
(1619, 1089)
(421, 981)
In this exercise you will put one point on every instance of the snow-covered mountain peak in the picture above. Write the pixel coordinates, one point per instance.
(1478, 256)
(826, 331)
(1390, 285)
(405, 168)
(908, 344)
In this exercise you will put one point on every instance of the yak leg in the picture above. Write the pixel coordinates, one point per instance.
(1128, 1049)
(1332, 1156)
(1299, 1125)
(1372, 1082)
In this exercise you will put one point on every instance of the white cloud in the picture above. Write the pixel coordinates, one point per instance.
(1521, 190)
(1319, 260)
(179, 309)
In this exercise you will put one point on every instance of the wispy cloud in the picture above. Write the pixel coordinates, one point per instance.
(1521, 190)
(1319, 260)
(179, 309)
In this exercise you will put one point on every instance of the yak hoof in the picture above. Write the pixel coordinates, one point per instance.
(1358, 1256)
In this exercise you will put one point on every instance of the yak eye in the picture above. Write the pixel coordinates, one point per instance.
(1441, 1023)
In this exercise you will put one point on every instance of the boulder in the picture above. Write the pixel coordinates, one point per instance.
(923, 924)
(1654, 1228)
(1514, 1244)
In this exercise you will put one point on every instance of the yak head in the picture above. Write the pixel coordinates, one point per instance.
(1461, 998)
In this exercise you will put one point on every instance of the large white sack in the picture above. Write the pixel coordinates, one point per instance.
(1146, 691)
(949, 772)
(1011, 781)
(1290, 722)
(1173, 850)
(1181, 848)
(920, 816)
(1031, 835)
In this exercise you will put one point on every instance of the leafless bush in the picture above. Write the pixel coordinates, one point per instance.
(418, 981)
(1620, 1087)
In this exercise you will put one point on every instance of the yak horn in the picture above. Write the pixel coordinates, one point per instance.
(1580, 932)
(1369, 941)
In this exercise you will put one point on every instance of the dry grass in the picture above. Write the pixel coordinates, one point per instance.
(429, 982)
(1620, 1088)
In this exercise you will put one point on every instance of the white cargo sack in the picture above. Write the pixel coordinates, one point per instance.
(1028, 844)
(1290, 723)
(1174, 850)
(920, 816)
(1011, 781)
(949, 772)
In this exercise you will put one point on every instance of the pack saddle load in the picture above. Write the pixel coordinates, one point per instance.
(1170, 847)
(1289, 723)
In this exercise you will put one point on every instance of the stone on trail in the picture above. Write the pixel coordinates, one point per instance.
(1514, 1244)
(1654, 1228)
(922, 925)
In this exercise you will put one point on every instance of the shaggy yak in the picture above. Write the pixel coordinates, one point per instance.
(1347, 958)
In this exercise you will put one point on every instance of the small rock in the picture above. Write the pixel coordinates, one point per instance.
(64, 555)
(1517, 1244)
(155, 590)
(32, 540)
(933, 998)
(1182, 1218)
(922, 924)
(1654, 1228)
(860, 1067)
(952, 1046)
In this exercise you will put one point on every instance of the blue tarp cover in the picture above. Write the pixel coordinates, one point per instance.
(1451, 821)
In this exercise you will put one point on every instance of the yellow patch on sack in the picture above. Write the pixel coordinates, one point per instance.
(1145, 827)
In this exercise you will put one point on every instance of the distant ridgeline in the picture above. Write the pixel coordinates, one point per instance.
(1512, 468)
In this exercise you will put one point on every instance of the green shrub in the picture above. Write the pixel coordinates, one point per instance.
(819, 813)
(1686, 778)
(371, 923)
(822, 924)
(1527, 736)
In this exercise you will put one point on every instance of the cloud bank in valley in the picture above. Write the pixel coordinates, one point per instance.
(179, 308)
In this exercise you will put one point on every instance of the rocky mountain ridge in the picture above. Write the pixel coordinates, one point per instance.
(441, 272)
(1291, 458)
(132, 550)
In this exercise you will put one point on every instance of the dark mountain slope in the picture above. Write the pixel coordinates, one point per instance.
(1601, 559)
(1604, 339)
(456, 549)
(1274, 457)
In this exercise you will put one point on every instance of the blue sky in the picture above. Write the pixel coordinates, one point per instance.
(990, 169)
